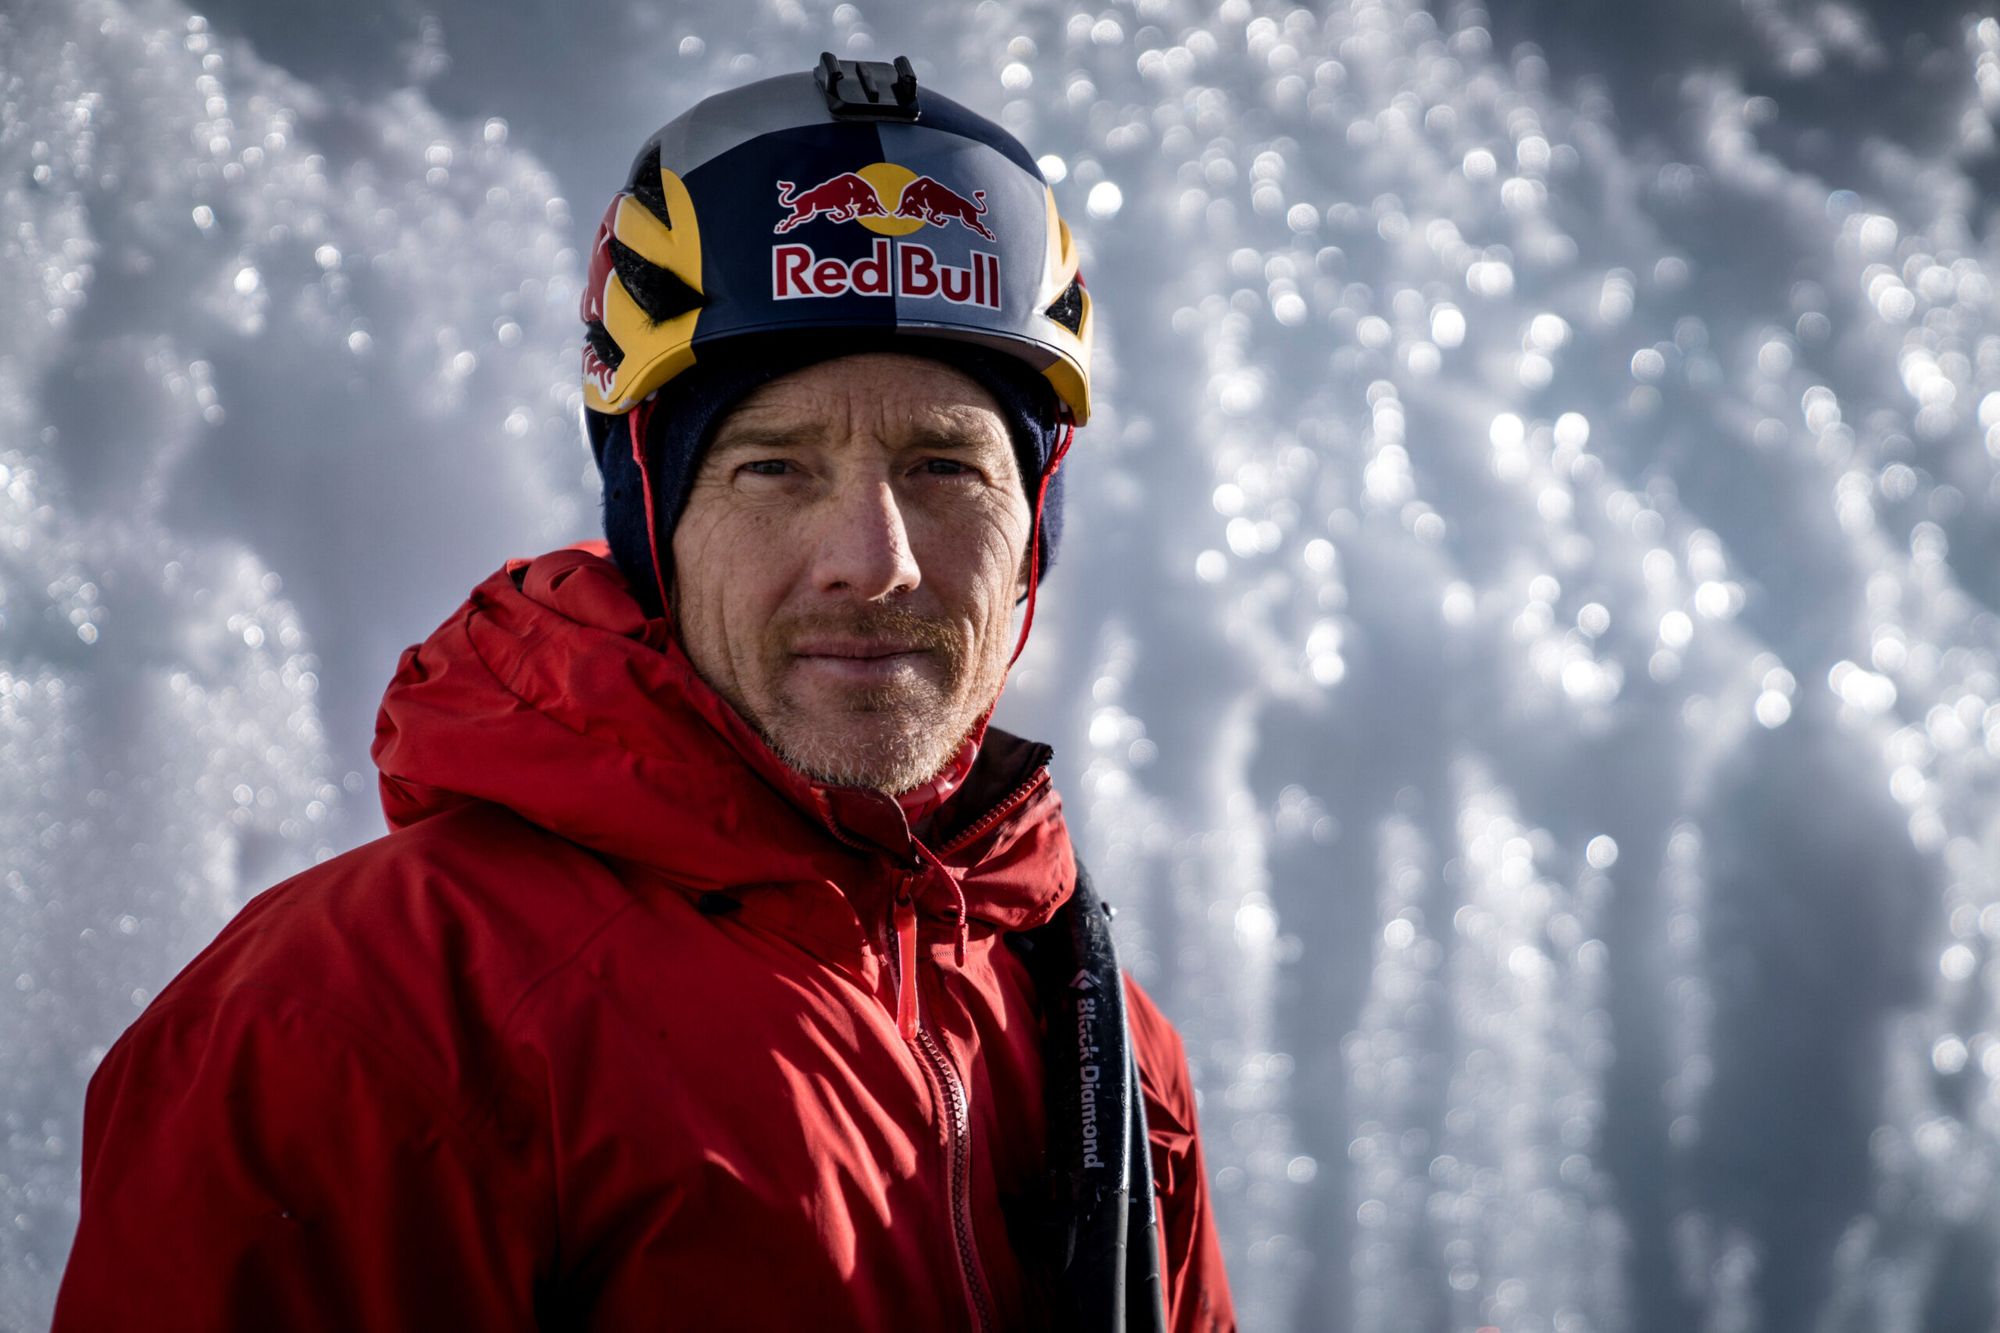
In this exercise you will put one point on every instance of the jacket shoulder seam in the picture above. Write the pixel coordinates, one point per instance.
(506, 1019)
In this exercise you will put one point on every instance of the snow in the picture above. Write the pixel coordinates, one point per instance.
(1524, 654)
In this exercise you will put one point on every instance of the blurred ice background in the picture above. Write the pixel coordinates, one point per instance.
(1524, 651)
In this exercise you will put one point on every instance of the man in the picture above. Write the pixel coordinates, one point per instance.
(724, 968)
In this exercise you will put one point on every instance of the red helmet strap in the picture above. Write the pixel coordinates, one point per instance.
(636, 422)
(1035, 534)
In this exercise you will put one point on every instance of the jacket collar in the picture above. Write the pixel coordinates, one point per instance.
(551, 692)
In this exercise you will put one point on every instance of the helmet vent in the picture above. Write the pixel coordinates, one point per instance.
(1067, 309)
(660, 292)
(646, 187)
(601, 342)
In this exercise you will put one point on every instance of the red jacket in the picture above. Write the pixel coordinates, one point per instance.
(604, 1034)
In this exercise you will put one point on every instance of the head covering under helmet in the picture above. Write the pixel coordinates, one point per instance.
(822, 212)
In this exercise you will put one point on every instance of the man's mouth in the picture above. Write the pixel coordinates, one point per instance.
(858, 650)
(865, 662)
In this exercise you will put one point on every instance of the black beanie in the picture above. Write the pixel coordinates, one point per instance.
(688, 407)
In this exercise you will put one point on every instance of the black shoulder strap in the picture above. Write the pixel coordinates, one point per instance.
(1106, 1242)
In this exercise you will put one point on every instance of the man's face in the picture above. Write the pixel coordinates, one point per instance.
(845, 571)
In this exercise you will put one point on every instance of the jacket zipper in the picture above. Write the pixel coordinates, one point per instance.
(950, 1090)
(1006, 807)
(945, 1082)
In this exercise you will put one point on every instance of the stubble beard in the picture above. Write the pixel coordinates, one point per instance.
(893, 738)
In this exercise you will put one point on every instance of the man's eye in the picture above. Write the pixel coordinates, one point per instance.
(768, 467)
(945, 467)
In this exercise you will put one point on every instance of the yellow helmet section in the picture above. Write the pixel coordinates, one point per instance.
(652, 351)
(1069, 374)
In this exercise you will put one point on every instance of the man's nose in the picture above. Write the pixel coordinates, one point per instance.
(864, 544)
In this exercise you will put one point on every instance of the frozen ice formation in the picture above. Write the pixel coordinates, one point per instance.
(1524, 654)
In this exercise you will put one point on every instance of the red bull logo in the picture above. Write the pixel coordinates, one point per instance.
(891, 268)
(886, 198)
(892, 201)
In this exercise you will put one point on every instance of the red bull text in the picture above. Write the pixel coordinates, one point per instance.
(900, 268)
(892, 267)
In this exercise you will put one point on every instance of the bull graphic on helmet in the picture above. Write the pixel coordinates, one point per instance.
(850, 196)
(938, 204)
(842, 199)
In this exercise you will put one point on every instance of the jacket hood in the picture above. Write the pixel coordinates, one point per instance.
(552, 693)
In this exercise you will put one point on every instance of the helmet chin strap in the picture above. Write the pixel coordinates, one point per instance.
(636, 422)
(1035, 534)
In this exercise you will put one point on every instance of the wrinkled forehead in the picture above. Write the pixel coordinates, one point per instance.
(886, 398)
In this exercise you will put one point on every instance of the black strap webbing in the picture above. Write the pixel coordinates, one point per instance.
(1105, 1241)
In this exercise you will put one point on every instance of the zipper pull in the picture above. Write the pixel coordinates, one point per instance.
(958, 892)
(964, 923)
(906, 965)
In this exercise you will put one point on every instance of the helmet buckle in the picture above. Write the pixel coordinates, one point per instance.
(855, 89)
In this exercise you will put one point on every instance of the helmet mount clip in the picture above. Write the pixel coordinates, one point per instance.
(855, 88)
